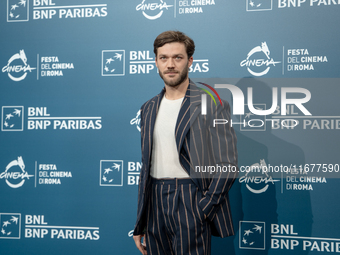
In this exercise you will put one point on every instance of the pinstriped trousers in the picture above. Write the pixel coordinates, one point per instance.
(176, 224)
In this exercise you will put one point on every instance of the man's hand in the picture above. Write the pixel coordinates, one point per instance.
(141, 246)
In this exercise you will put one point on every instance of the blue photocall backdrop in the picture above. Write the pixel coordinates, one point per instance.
(75, 73)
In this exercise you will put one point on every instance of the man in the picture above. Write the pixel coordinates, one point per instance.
(180, 206)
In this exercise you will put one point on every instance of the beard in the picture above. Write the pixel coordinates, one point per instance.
(181, 78)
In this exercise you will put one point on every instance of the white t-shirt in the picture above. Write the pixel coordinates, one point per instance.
(165, 158)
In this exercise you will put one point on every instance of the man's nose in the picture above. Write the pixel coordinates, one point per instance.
(171, 63)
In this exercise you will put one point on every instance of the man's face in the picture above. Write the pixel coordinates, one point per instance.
(173, 63)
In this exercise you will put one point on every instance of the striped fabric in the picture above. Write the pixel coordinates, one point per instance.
(175, 223)
(198, 144)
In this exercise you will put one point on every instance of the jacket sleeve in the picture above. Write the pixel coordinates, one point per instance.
(140, 223)
(223, 155)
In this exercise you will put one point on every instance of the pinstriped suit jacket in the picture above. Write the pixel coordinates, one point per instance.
(199, 144)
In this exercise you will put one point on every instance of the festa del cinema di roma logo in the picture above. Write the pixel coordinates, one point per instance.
(255, 63)
(11, 174)
(257, 182)
(152, 10)
(17, 67)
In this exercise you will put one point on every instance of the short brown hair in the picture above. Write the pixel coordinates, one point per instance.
(174, 36)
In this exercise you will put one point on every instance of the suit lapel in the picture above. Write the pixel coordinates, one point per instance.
(150, 119)
(189, 110)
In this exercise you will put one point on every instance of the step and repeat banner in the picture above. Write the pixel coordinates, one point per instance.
(74, 74)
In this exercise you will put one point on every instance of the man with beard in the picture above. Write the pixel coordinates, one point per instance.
(179, 208)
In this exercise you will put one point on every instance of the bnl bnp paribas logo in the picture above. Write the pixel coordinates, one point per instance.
(111, 173)
(12, 118)
(153, 9)
(17, 10)
(113, 62)
(10, 225)
(259, 5)
(252, 235)
(17, 67)
(258, 61)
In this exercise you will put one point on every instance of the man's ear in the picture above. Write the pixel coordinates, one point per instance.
(156, 61)
(191, 59)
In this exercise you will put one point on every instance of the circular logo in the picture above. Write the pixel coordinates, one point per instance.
(257, 65)
(17, 66)
(152, 8)
(257, 179)
(12, 174)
